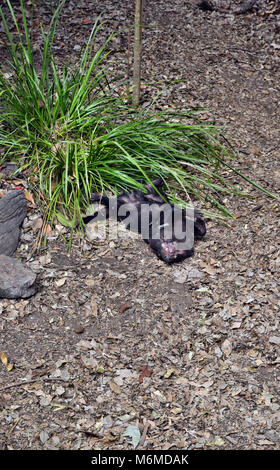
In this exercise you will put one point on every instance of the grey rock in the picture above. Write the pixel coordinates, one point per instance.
(12, 214)
(16, 280)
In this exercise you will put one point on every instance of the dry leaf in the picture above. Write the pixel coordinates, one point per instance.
(84, 345)
(29, 197)
(169, 373)
(218, 441)
(236, 391)
(226, 347)
(79, 330)
(43, 436)
(55, 148)
(160, 396)
(94, 307)
(5, 362)
(89, 362)
(176, 411)
(4, 359)
(87, 21)
(145, 373)
(125, 307)
(134, 433)
(57, 406)
(61, 282)
(60, 390)
(47, 230)
(236, 325)
(114, 387)
(182, 380)
(210, 270)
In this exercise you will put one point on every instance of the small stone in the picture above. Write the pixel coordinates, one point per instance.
(16, 280)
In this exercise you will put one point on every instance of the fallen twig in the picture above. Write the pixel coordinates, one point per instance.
(24, 382)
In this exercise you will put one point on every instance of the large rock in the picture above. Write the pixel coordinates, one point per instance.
(16, 280)
(12, 214)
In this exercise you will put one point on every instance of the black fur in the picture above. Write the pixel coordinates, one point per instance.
(165, 247)
(205, 5)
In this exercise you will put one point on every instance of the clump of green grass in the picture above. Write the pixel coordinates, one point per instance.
(76, 135)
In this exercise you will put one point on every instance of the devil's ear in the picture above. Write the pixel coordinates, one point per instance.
(199, 225)
(99, 198)
(95, 197)
(156, 183)
(88, 218)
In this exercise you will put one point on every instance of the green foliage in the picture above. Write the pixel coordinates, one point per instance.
(77, 135)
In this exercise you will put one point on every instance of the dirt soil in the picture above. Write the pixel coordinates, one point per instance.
(118, 350)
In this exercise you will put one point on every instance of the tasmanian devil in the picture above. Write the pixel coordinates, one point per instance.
(169, 230)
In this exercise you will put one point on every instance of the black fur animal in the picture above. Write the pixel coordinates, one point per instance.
(162, 228)
(205, 5)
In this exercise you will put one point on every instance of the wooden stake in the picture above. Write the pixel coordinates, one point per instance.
(137, 51)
